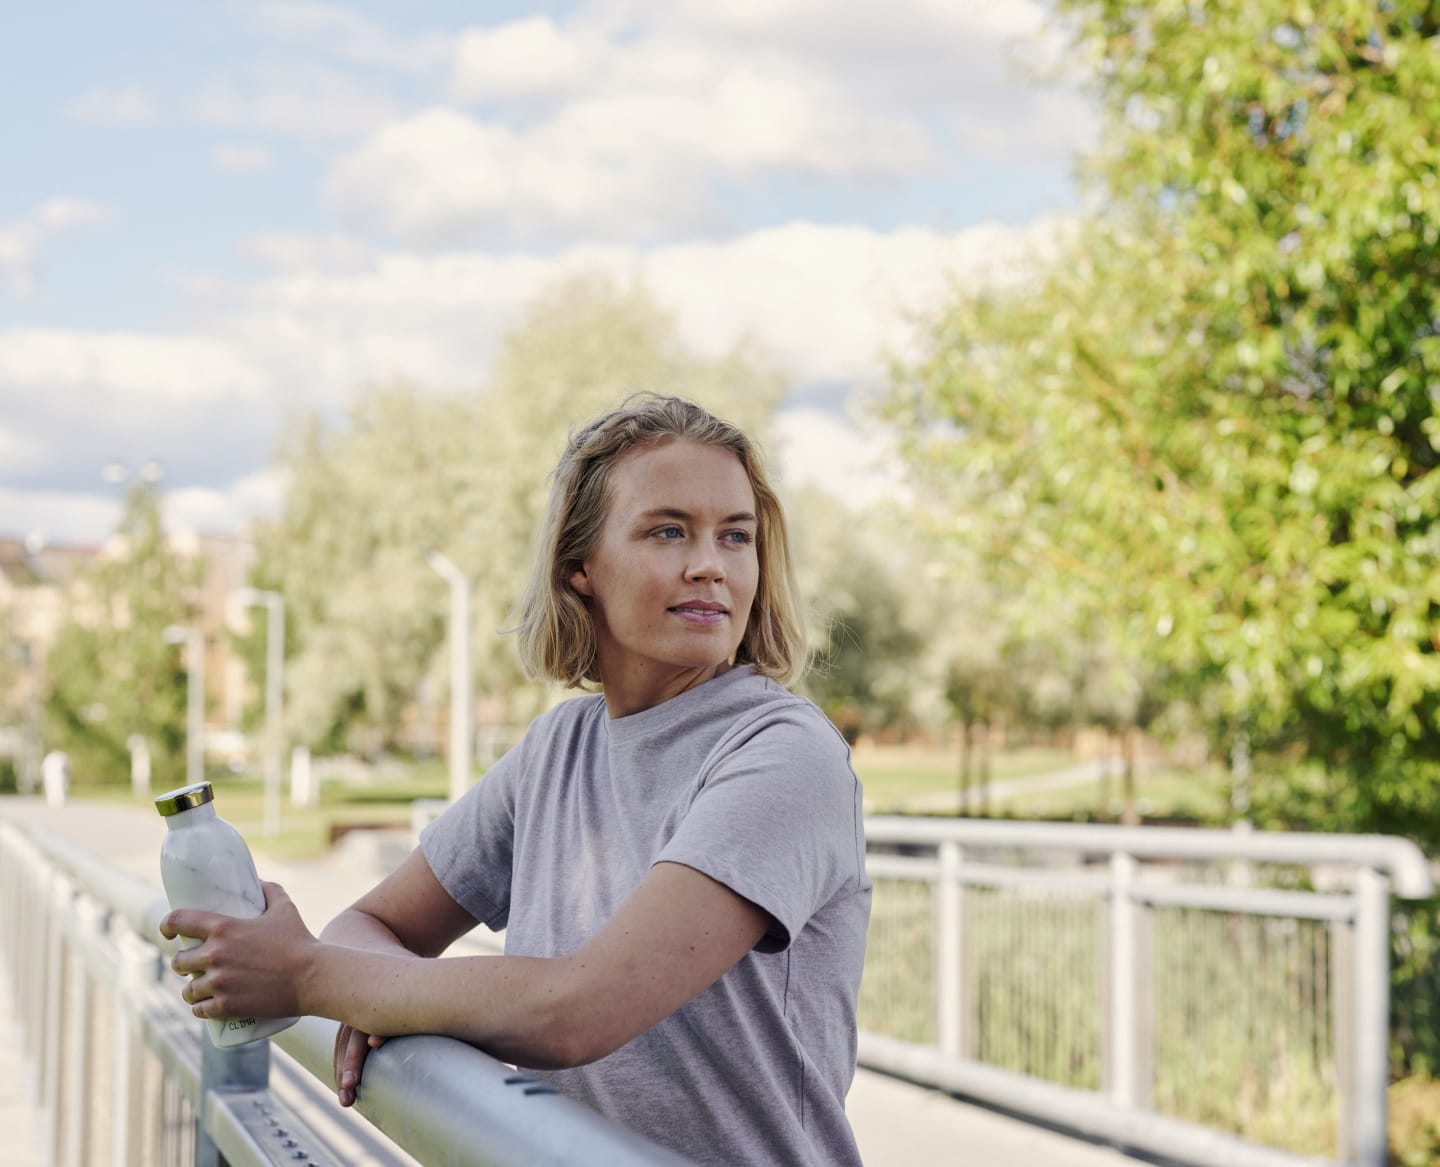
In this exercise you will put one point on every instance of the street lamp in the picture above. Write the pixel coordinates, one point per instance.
(461, 702)
(274, 603)
(194, 641)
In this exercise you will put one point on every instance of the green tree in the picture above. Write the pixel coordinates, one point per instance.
(111, 672)
(1206, 424)
(409, 470)
(866, 615)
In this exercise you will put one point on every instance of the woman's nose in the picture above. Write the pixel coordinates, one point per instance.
(706, 564)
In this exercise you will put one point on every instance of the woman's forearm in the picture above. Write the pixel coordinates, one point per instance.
(673, 937)
(515, 1008)
(356, 929)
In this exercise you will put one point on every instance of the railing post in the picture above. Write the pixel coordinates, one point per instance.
(1122, 1079)
(60, 896)
(1372, 1017)
(244, 1067)
(87, 924)
(138, 967)
(27, 970)
(949, 957)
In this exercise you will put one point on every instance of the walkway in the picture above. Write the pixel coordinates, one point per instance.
(896, 1123)
(996, 791)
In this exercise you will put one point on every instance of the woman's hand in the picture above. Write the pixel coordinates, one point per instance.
(351, 1049)
(244, 967)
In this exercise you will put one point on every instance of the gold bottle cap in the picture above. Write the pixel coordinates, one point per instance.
(186, 798)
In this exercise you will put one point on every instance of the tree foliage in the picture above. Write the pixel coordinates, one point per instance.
(409, 470)
(112, 673)
(864, 581)
(1207, 426)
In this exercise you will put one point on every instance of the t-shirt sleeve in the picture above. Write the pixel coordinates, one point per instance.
(777, 820)
(470, 847)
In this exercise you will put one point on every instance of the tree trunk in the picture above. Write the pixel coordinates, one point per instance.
(966, 763)
(1131, 814)
(984, 775)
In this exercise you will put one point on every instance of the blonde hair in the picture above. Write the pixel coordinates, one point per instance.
(557, 638)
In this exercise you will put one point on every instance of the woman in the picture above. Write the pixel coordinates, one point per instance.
(678, 860)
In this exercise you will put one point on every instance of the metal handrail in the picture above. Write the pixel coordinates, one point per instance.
(1399, 859)
(438, 1099)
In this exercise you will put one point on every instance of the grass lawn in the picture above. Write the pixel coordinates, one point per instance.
(1200, 795)
(305, 833)
(891, 774)
(894, 774)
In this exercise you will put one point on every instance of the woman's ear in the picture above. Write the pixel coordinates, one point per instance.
(580, 582)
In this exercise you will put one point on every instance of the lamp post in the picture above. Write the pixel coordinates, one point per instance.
(461, 702)
(274, 604)
(194, 641)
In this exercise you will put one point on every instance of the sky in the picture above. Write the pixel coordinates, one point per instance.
(217, 217)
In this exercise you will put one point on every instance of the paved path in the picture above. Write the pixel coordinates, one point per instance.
(992, 793)
(896, 1123)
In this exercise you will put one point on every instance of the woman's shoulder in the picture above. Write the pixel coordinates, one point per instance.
(767, 707)
(765, 697)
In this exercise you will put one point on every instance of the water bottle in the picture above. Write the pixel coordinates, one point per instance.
(205, 864)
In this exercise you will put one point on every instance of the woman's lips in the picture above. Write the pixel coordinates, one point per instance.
(700, 613)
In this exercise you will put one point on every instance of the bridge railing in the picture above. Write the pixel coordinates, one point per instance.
(1160, 989)
(123, 1074)
(1217, 997)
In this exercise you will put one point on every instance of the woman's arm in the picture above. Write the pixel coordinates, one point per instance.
(671, 939)
(409, 910)
(409, 903)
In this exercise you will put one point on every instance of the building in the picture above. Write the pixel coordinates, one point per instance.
(42, 584)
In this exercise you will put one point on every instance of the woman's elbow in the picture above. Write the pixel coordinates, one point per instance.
(568, 1019)
(570, 1030)
(568, 1040)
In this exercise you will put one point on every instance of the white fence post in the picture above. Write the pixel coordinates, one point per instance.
(79, 1023)
(138, 965)
(949, 959)
(1123, 1078)
(61, 897)
(1372, 1017)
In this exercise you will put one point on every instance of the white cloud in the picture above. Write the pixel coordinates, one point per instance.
(817, 449)
(236, 159)
(625, 121)
(318, 255)
(59, 516)
(439, 176)
(520, 59)
(343, 33)
(23, 241)
(89, 516)
(826, 303)
(306, 101)
(231, 508)
(829, 302)
(122, 108)
(21, 454)
(914, 57)
(118, 371)
(633, 166)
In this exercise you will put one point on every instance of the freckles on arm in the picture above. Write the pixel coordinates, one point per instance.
(674, 937)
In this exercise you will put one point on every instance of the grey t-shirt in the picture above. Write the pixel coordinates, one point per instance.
(750, 785)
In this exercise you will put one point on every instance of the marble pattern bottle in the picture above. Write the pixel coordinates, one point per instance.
(205, 864)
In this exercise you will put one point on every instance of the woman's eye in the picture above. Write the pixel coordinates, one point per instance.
(669, 533)
(739, 538)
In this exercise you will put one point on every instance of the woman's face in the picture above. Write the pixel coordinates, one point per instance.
(672, 580)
